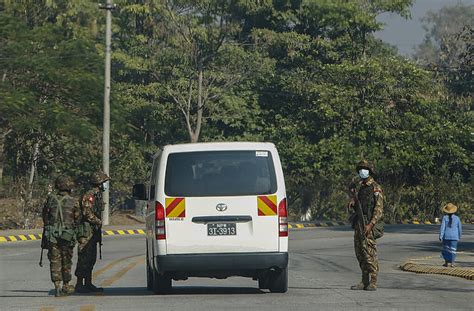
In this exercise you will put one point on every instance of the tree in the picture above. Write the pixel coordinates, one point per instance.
(198, 62)
(448, 46)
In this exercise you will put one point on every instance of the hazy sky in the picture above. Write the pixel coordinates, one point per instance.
(406, 34)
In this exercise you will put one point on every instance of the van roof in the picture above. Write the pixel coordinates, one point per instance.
(218, 146)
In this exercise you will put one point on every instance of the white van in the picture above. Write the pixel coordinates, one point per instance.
(216, 210)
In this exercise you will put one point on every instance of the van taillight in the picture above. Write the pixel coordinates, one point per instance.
(283, 218)
(160, 231)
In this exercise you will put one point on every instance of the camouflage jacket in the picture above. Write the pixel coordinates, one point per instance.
(92, 207)
(370, 195)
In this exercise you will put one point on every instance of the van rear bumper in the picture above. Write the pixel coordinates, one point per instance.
(198, 264)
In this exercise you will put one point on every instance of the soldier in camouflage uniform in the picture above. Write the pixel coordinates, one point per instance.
(89, 232)
(60, 217)
(369, 194)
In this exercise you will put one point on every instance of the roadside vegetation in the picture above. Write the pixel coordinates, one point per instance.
(307, 75)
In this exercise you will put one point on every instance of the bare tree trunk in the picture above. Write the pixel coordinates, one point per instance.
(197, 131)
(3, 137)
(34, 162)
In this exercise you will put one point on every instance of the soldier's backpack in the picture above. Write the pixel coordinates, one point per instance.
(61, 223)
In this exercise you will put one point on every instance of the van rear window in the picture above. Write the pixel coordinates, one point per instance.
(220, 173)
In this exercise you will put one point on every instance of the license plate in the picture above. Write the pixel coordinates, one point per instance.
(221, 229)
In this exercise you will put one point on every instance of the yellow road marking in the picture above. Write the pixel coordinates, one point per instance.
(141, 231)
(299, 226)
(131, 231)
(109, 232)
(32, 236)
(290, 227)
(23, 238)
(415, 222)
(47, 308)
(3, 239)
(87, 308)
(120, 232)
(122, 272)
(111, 264)
(13, 238)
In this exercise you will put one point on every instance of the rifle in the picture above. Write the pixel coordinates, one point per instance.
(359, 218)
(98, 213)
(100, 242)
(44, 245)
(41, 258)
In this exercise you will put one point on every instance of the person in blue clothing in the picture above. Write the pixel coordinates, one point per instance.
(450, 234)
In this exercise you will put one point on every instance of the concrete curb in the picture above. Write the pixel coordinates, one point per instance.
(38, 236)
(292, 225)
(467, 273)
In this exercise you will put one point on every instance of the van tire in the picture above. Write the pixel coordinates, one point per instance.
(161, 284)
(278, 281)
(263, 282)
(149, 274)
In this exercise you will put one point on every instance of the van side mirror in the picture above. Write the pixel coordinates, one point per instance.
(139, 192)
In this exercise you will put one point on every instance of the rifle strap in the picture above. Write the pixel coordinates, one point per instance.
(59, 214)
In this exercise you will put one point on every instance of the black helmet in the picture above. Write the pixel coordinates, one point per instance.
(367, 165)
(64, 182)
(99, 177)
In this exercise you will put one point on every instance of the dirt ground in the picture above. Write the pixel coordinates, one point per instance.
(11, 217)
(9, 214)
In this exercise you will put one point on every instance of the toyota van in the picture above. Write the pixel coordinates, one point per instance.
(216, 210)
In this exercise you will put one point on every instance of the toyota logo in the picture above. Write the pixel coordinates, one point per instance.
(221, 207)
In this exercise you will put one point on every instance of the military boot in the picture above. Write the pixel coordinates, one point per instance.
(57, 290)
(80, 288)
(68, 289)
(362, 285)
(91, 287)
(373, 283)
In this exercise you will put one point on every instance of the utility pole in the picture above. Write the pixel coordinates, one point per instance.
(108, 7)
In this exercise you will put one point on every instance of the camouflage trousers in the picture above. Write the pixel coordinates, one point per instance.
(86, 256)
(366, 253)
(60, 261)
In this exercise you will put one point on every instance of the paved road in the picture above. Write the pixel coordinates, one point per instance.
(322, 267)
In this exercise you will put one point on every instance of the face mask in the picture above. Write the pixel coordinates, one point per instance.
(363, 173)
(105, 185)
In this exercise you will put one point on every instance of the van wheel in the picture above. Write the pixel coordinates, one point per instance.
(278, 281)
(149, 274)
(263, 282)
(161, 284)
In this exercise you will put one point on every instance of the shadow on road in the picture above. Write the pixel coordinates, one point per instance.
(27, 293)
(316, 288)
(177, 290)
(205, 290)
(427, 288)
